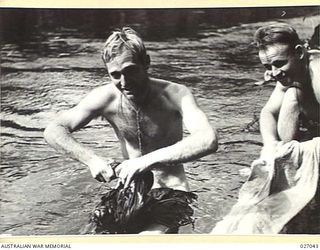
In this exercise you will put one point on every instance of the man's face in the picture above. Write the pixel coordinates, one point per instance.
(281, 62)
(128, 74)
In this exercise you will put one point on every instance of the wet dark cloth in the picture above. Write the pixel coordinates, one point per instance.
(131, 210)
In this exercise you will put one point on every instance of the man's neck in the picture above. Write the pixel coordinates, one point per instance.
(303, 76)
(138, 101)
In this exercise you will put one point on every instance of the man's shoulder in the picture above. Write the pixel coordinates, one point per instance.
(314, 58)
(100, 96)
(168, 86)
(103, 91)
(171, 92)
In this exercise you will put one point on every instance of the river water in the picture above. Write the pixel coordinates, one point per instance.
(44, 193)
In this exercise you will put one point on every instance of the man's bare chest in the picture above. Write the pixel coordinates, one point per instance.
(149, 123)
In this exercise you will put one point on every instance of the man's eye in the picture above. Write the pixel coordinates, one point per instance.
(131, 70)
(267, 66)
(116, 75)
(279, 64)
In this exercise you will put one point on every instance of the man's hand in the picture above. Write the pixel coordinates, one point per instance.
(269, 150)
(129, 168)
(267, 156)
(101, 170)
(268, 76)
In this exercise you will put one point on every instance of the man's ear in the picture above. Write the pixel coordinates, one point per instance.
(299, 51)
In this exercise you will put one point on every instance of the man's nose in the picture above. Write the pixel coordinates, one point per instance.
(123, 80)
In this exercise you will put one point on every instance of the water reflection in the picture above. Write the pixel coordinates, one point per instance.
(154, 24)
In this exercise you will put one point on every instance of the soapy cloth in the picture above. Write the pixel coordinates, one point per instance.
(278, 192)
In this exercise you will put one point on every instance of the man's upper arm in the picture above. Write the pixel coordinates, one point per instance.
(273, 105)
(315, 74)
(88, 108)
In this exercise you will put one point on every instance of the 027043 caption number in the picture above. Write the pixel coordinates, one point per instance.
(309, 246)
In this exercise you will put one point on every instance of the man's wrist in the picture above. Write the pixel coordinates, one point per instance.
(269, 148)
(95, 161)
(148, 160)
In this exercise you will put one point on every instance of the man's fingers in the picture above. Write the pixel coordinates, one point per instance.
(123, 178)
(119, 183)
(100, 178)
(128, 180)
(261, 162)
(268, 75)
(105, 176)
(117, 170)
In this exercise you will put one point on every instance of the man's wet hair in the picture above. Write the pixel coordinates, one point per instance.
(124, 39)
(315, 39)
(276, 33)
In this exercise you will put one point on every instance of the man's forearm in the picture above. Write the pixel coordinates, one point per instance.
(268, 128)
(190, 148)
(61, 139)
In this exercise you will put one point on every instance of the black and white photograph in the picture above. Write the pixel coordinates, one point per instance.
(149, 121)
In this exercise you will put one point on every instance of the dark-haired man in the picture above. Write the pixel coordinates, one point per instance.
(296, 96)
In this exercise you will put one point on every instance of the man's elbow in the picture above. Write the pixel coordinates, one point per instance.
(267, 111)
(51, 132)
(211, 138)
(48, 132)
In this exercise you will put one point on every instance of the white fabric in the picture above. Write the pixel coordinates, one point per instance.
(275, 193)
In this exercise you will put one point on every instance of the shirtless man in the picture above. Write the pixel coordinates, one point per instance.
(296, 71)
(147, 115)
